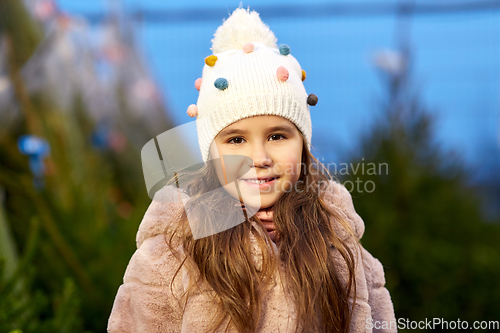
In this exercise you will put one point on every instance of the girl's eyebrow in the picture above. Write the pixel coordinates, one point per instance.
(285, 128)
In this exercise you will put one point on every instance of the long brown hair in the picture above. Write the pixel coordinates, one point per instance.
(303, 221)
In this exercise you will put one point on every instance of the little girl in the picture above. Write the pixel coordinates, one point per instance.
(267, 242)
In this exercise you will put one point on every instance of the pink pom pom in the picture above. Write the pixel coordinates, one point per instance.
(248, 47)
(197, 84)
(282, 73)
(192, 110)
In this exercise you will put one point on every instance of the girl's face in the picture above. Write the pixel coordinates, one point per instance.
(274, 145)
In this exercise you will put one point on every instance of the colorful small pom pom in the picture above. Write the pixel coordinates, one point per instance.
(303, 75)
(282, 73)
(312, 99)
(284, 49)
(192, 110)
(220, 83)
(248, 47)
(197, 83)
(211, 60)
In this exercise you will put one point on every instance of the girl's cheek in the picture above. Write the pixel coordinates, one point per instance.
(293, 169)
(214, 151)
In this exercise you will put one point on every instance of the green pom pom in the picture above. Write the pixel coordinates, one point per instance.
(284, 49)
(220, 83)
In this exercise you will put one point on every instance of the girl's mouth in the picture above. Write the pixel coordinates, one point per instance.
(260, 183)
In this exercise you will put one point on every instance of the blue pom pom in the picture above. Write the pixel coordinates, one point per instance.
(284, 49)
(220, 83)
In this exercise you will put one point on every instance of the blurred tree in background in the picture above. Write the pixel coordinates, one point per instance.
(68, 213)
(423, 220)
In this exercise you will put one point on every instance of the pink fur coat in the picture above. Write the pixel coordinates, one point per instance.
(145, 303)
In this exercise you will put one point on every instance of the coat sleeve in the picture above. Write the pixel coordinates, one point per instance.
(145, 302)
(379, 299)
(372, 272)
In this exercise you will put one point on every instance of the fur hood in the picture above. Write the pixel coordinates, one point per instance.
(145, 302)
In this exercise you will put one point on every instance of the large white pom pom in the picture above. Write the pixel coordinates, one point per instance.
(243, 26)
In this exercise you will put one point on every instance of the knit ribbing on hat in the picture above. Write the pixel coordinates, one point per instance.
(253, 89)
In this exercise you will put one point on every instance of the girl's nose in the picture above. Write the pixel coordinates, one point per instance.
(261, 157)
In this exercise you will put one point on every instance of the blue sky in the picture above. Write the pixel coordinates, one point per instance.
(456, 68)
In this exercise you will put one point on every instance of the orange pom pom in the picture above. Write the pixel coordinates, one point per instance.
(197, 83)
(211, 60)
(192, 110)
(282, 73)
(248, 47)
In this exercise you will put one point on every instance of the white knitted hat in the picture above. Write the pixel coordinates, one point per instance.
(248, 75)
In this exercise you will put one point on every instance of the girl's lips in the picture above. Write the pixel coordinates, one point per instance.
(261, 186)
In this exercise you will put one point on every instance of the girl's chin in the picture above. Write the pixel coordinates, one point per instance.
(256, 199)
(259, 206)
(256, 204)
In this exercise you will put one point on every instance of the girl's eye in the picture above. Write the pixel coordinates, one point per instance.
(235, 140)
(277, 135)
